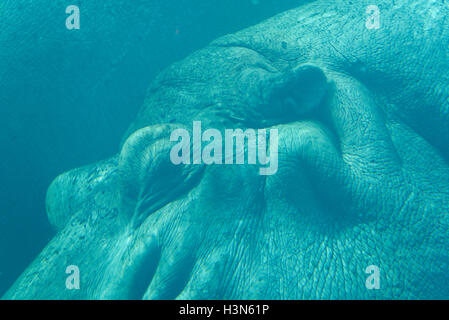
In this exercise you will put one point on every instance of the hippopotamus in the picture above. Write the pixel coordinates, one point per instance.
(362, 181)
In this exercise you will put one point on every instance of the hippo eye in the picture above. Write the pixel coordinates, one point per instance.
(296, 93)
(149, 179)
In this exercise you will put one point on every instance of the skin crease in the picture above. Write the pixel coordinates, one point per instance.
(67, 96)
(363, 175)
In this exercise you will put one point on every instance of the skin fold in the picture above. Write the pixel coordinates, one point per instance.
(363, 174)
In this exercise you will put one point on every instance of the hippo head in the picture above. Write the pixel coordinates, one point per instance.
(352, 123)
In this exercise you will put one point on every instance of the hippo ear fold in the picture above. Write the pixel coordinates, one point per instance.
(72, 194)
(150, 179)
(298, 92)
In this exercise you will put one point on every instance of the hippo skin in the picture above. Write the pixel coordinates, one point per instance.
(363, 178)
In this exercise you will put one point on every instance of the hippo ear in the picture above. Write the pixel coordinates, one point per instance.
(297, 93)
(72, 194)
(150, 179)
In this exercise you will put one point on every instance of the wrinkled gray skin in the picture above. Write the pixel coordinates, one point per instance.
(362, 180)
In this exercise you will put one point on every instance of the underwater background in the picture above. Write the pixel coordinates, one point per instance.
(67, 96)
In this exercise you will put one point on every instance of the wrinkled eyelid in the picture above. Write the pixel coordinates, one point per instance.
(149, 180)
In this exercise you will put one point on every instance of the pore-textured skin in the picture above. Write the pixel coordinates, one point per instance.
(363, 174)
